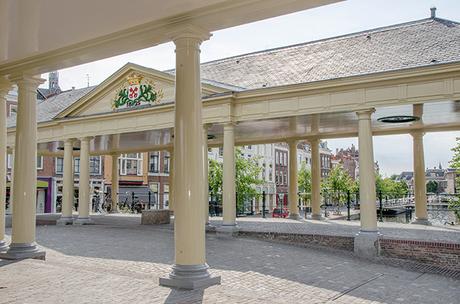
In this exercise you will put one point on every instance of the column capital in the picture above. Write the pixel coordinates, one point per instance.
(30, 81)
(292, 142)
(188, 32)
(5, 87)
(86, 138)
(314, 140)
(229, 126)
(365, 114)
(417, 134)
(69, 141)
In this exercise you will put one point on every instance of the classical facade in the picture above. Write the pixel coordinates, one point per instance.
(445, 179)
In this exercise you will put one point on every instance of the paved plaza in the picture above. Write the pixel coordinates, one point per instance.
(120, 261)
(445, 233)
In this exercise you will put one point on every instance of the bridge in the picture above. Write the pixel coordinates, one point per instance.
(409, 201)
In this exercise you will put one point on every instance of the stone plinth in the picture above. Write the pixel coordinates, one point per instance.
(155, 217)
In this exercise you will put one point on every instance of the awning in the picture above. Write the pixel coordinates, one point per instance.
(40, 184)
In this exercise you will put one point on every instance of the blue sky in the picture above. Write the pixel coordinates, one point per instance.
(394, 153)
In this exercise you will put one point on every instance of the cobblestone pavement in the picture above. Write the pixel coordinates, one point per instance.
(119, 261)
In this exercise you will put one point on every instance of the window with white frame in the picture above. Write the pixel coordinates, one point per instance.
(10, 162)
(39, 162)
(95, 166)
(59, 165)
(166, 196)
(76, 165)
(166, 161)
(154, 188)
(131, 164)
(154, 162)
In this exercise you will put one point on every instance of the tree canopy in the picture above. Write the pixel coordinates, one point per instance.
(337, 184)
(304, 182)
(454, 205)
(247, 171)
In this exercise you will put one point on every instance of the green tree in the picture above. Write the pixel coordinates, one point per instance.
(337, 184)
(304, 182)
(454, 205)
(401, 189)
(215, 179)
(246, 179)
(390, 187)
(432, 187)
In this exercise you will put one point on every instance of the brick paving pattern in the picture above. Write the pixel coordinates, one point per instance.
(119, 261)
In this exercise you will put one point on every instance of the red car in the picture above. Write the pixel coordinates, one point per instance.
(280, 212)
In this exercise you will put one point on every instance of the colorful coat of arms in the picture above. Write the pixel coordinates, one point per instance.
(136, 92)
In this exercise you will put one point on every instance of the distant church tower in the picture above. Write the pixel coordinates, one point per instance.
(53, 80)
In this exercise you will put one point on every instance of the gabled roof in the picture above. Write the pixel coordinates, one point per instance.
(414, 44)
(49, 108)
(209, 88)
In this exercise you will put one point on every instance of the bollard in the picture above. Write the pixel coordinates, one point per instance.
(132, 201)
(300, 203)
(263, 204)
(348, 205)
(236, 204)
(150, 199)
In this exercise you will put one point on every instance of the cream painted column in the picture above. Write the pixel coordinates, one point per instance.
(5, 86)
(293, 185)
(365, 242)
(115, 182)
(315, 179)
(205, 173)
(171, 180)
(25, 172)
(190, 270)
(68, 185)
(84, 198)
(421, 214)
(228, 179)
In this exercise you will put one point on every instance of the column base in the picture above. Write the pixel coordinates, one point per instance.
(366, 244)
(83, 221)
(190, 277)
(64, 221)
(317, 217)
(294, 216)
(420, 221)
(227, 231)
(3, 246)
(21, 251)
(114, 211)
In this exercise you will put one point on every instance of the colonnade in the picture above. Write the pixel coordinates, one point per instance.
(190, 160)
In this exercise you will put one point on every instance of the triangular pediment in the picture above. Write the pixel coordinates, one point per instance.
(132, 87)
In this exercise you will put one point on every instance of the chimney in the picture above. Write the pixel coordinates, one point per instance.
(433, 12)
